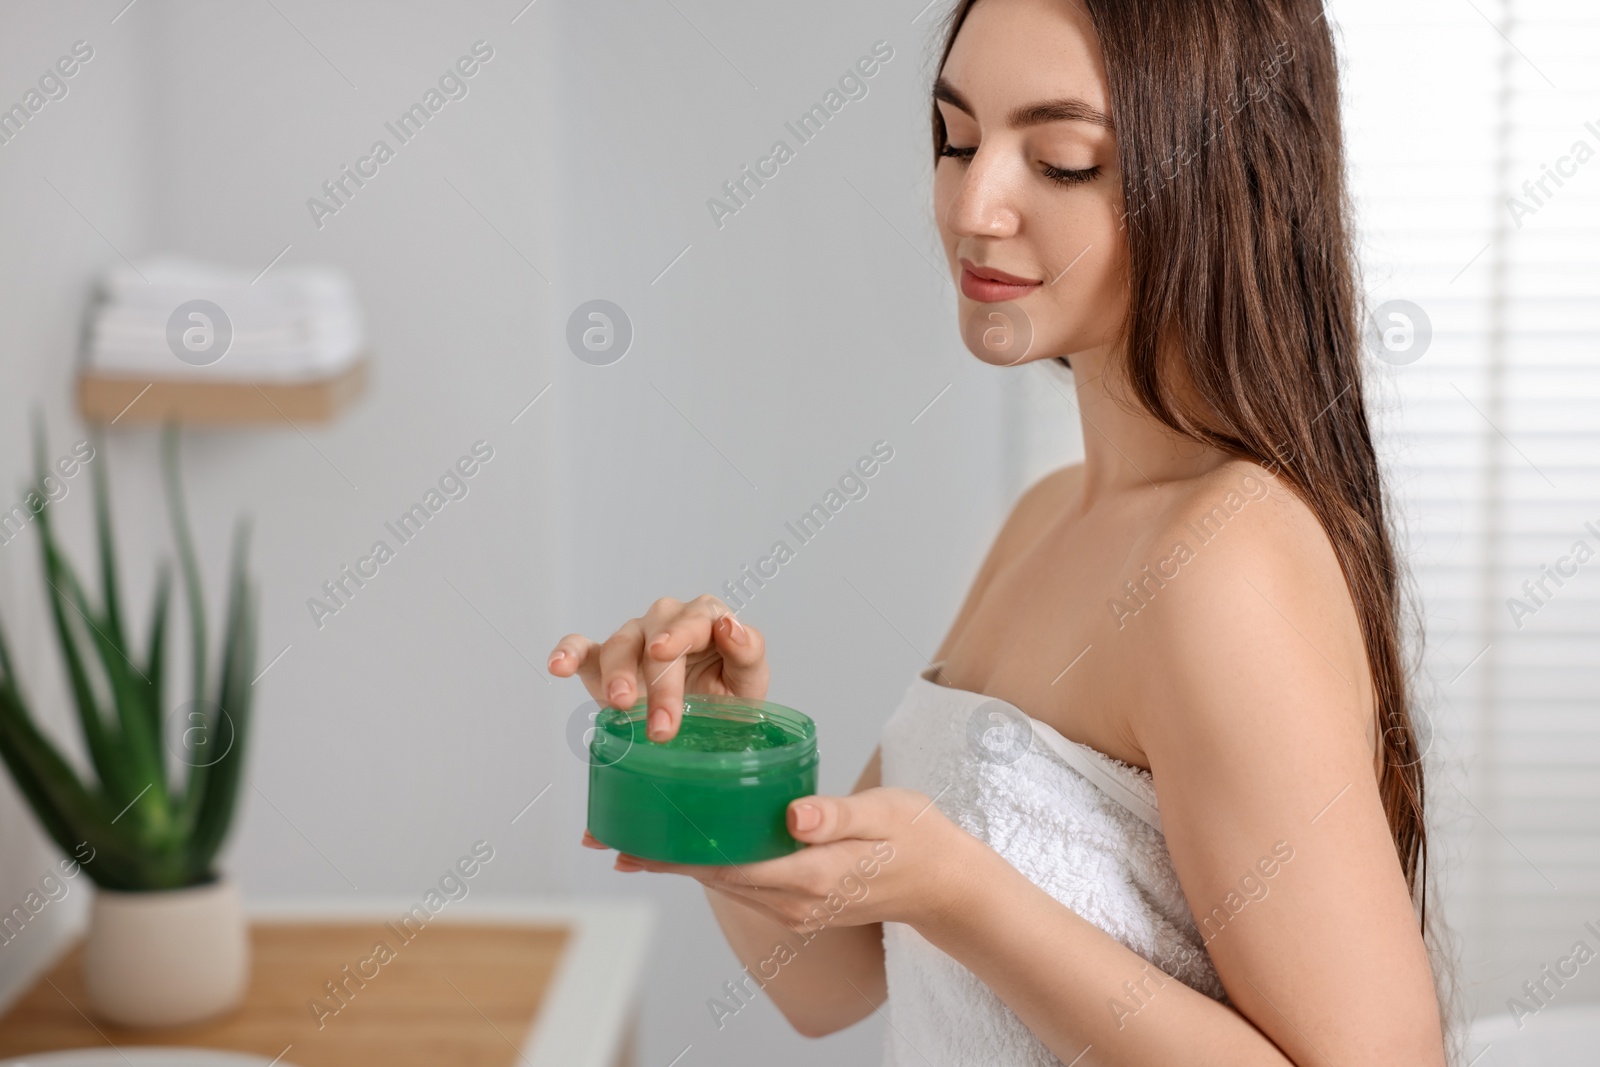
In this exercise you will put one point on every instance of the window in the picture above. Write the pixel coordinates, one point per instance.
(1474, 138)
(1473, 133)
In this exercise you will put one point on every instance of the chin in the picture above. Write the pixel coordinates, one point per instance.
(1005, 335)
(1001, 334)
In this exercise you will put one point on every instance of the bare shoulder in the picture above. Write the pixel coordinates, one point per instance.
(1029, 517)
(1244, 596)
(1040, 504)
(1242, 496)
(1243, 527)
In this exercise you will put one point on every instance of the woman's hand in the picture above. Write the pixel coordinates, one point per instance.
(674, 648)
(883, 854)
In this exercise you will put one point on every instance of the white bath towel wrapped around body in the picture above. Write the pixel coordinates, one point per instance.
(1080, 825)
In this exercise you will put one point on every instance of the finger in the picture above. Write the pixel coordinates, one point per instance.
(782, 876)
(678, 629)
(568, 654)
(672, 630)
(576, 654)
(744, 656)
(730, 879)
(661, 610)
(872, 814)
(670, 636)
(626, 861)
(590, 841)
(779, 900)
(619, 666)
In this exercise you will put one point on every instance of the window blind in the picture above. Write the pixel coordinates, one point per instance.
(1474, 138)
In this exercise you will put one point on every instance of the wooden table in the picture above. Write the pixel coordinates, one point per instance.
(540, 984)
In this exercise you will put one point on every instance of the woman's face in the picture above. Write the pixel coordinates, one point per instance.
(1028, 194)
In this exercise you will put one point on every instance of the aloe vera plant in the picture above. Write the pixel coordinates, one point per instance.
(150, 826)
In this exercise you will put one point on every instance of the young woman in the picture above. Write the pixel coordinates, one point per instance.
(1159, 799)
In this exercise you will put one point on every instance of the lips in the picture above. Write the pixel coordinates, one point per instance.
(990, 285)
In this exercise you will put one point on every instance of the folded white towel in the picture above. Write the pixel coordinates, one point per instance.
(295, 323)
(1081, 825)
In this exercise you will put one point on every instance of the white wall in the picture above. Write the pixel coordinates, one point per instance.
(803, 330)
(402, 731)
(76, 184)
(812, 325)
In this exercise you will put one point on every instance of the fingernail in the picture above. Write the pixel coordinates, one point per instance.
(627, 863)
(660, 723)
(618, 692)
(806, 816)
(557, 656)
(660, 640)
(736, 631)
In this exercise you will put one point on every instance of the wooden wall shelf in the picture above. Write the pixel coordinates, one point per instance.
(123, 399)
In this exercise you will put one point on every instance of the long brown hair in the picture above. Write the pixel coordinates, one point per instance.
(1243, 287)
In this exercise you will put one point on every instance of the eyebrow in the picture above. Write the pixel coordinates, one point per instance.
(1072, 110)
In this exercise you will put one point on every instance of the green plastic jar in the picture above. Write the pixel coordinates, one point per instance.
(717, 793)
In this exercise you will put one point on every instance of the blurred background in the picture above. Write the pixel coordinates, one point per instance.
(770, 349)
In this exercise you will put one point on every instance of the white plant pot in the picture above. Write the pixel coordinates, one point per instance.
(167, 957)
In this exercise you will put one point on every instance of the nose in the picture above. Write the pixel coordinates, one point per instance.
(985, 203)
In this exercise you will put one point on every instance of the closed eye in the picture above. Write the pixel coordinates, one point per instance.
(1059, 175)
(1063, 176)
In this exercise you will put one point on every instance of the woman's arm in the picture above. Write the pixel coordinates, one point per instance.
(810, 988)
(1255, 716)
(1081, 991)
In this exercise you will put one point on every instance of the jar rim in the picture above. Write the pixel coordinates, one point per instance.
(646, 756)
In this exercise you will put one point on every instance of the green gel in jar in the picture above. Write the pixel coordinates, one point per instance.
(717, 793)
